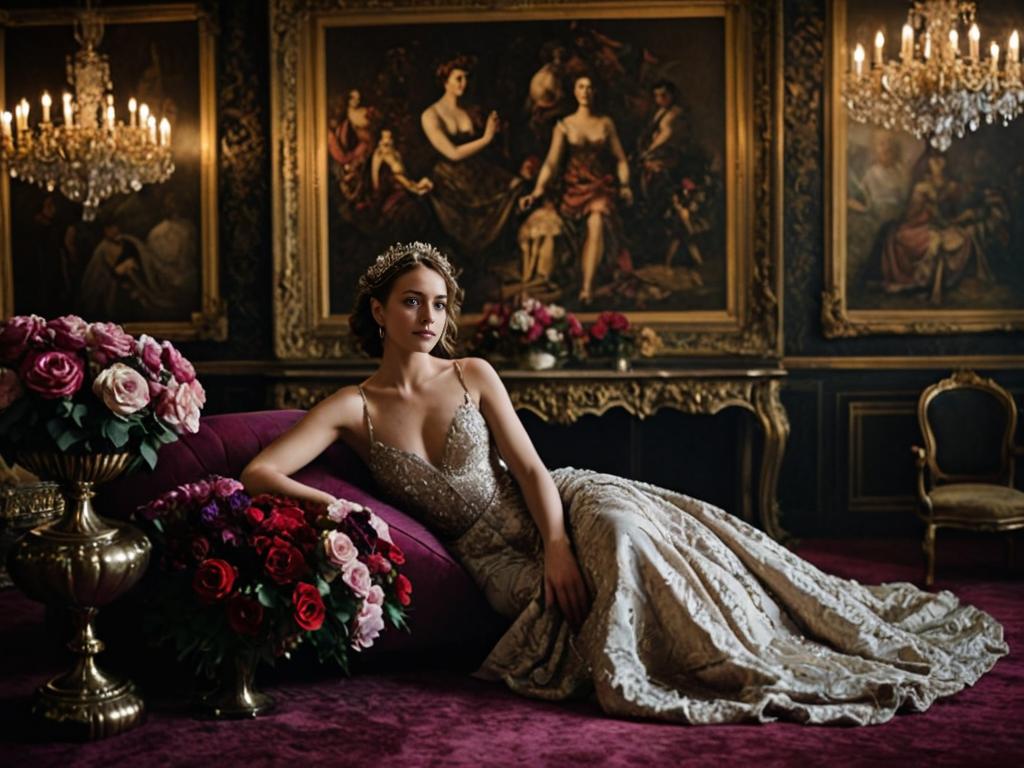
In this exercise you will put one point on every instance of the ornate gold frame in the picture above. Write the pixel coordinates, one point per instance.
(751, 322)
(211, 321)
(838, 319)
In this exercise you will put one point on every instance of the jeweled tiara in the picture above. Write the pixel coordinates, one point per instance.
(379, 270)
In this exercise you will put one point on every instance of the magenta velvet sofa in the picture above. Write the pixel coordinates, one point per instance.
(448, 618)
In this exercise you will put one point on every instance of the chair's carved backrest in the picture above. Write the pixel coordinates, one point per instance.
(968, 423)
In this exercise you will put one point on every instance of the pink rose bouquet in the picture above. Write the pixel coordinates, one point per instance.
(514, 330)
(236, 573)
(79, 387)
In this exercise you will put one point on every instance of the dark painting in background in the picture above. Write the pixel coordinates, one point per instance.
(662, 250)
(927, 241)
(147, 259)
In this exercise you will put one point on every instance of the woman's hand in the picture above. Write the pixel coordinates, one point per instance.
(491, 126)
(564, 583)
(526, 201)
(626, 194)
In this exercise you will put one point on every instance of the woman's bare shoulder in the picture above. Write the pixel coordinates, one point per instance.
(342, 408)
(480, 376)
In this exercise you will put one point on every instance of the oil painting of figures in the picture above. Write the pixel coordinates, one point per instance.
(578, 161)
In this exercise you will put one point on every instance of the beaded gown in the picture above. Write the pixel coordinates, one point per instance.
(696, 616)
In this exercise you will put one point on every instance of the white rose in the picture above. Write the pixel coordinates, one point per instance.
(554, 335)
(122, 389)
(521, 320)
(557, 312)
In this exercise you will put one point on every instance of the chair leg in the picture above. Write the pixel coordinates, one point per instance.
(929, 554)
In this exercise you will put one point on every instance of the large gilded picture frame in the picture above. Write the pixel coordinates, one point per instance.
(670, 199)
(919, 242)
(162, 240)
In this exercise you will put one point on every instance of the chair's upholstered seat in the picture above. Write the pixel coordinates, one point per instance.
(981, 501)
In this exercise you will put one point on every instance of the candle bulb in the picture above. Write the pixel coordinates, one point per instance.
(144, 115)
(151, 124)
(927, 46)
(974, 36)
(69, 119)
(110, 116)
(858, 60)
(133, 107)
(994, 61)
(24, 114)
(17, 119)
(46, 101)
(1013, 52)
(907, 48)
(165, 133)
(954, 43)
(879, 47)
(5, 120)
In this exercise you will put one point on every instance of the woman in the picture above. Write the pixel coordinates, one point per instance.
(472, 196)
(590, 190)
(665, 606)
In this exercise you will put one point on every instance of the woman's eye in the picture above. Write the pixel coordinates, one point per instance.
(411, 301)
(440, 306)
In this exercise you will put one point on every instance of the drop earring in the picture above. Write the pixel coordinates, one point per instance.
(380, 331)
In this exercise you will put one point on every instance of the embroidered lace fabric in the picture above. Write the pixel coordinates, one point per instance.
(696, 616)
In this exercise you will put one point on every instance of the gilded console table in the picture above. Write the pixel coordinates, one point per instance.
(563, 396)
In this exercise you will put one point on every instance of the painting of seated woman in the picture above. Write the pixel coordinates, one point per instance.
(575, 161)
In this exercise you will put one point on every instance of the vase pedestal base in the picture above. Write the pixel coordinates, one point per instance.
(227, 705)
(74, 714)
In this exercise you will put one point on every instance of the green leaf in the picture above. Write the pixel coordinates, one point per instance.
(117, 432)
(79, 412)
(148, 454)
(322, 586)
(266, 597)
(66, 439)
(395, 614)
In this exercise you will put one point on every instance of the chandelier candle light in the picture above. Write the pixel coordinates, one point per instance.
(936, 91)
(91, 155)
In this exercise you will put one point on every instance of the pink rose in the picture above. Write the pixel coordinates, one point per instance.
(535, 332)
(225, 486)
(68, 332)
(10, 387)
(179, 406)
(53, 374)
(149, 350)
(340, 549)
(357, 576)
(380, 527)
(339, 509)
(17, 334)
(376, 596)
(108, 342)
(122, 389)
(575, 329)
(180, 368)
(369, 623)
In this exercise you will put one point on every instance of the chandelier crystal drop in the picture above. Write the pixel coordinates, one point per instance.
(939, 88)
(90, 155)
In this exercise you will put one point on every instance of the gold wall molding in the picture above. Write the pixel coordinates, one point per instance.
(904, 362)
(563, 397)
(858, 412)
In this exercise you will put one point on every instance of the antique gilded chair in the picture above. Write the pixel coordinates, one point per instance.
(965, 470)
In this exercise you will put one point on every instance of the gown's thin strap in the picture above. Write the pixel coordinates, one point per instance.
(366, 412)
(462, 381)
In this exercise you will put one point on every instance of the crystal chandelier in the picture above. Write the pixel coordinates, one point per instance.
(90, 155)
(936, 91)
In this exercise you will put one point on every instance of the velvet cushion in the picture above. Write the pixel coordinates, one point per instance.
(449, 614)
(983, 501)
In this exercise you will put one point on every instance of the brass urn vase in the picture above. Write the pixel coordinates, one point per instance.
(81, 561)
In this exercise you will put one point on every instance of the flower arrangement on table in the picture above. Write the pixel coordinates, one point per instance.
(611, 335)
(258, 575)
(76, 387)
(537, 335)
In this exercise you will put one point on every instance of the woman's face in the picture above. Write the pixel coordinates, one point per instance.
(415, 313)
(583, 90)
(456, 82)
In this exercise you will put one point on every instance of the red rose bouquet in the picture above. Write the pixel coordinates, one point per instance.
(610, 335)
(260, 575)
(76, 387)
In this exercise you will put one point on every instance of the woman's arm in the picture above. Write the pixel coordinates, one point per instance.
(270, 470)
(547, 170)
(435, 132)
(563, 581)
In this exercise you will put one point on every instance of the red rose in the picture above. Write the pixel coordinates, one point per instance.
(393, 553)
(260, 543)
(254, 515)
(200, 548)
(245, 615)
(213, 580)
(403, 588)
(618, 322)
(284, 562)
(280, 522)
(53, 374)
(598, 330)
(17, 334)
(309, 608)
(377, 563)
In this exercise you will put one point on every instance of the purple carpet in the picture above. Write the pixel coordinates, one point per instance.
(442, 717)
